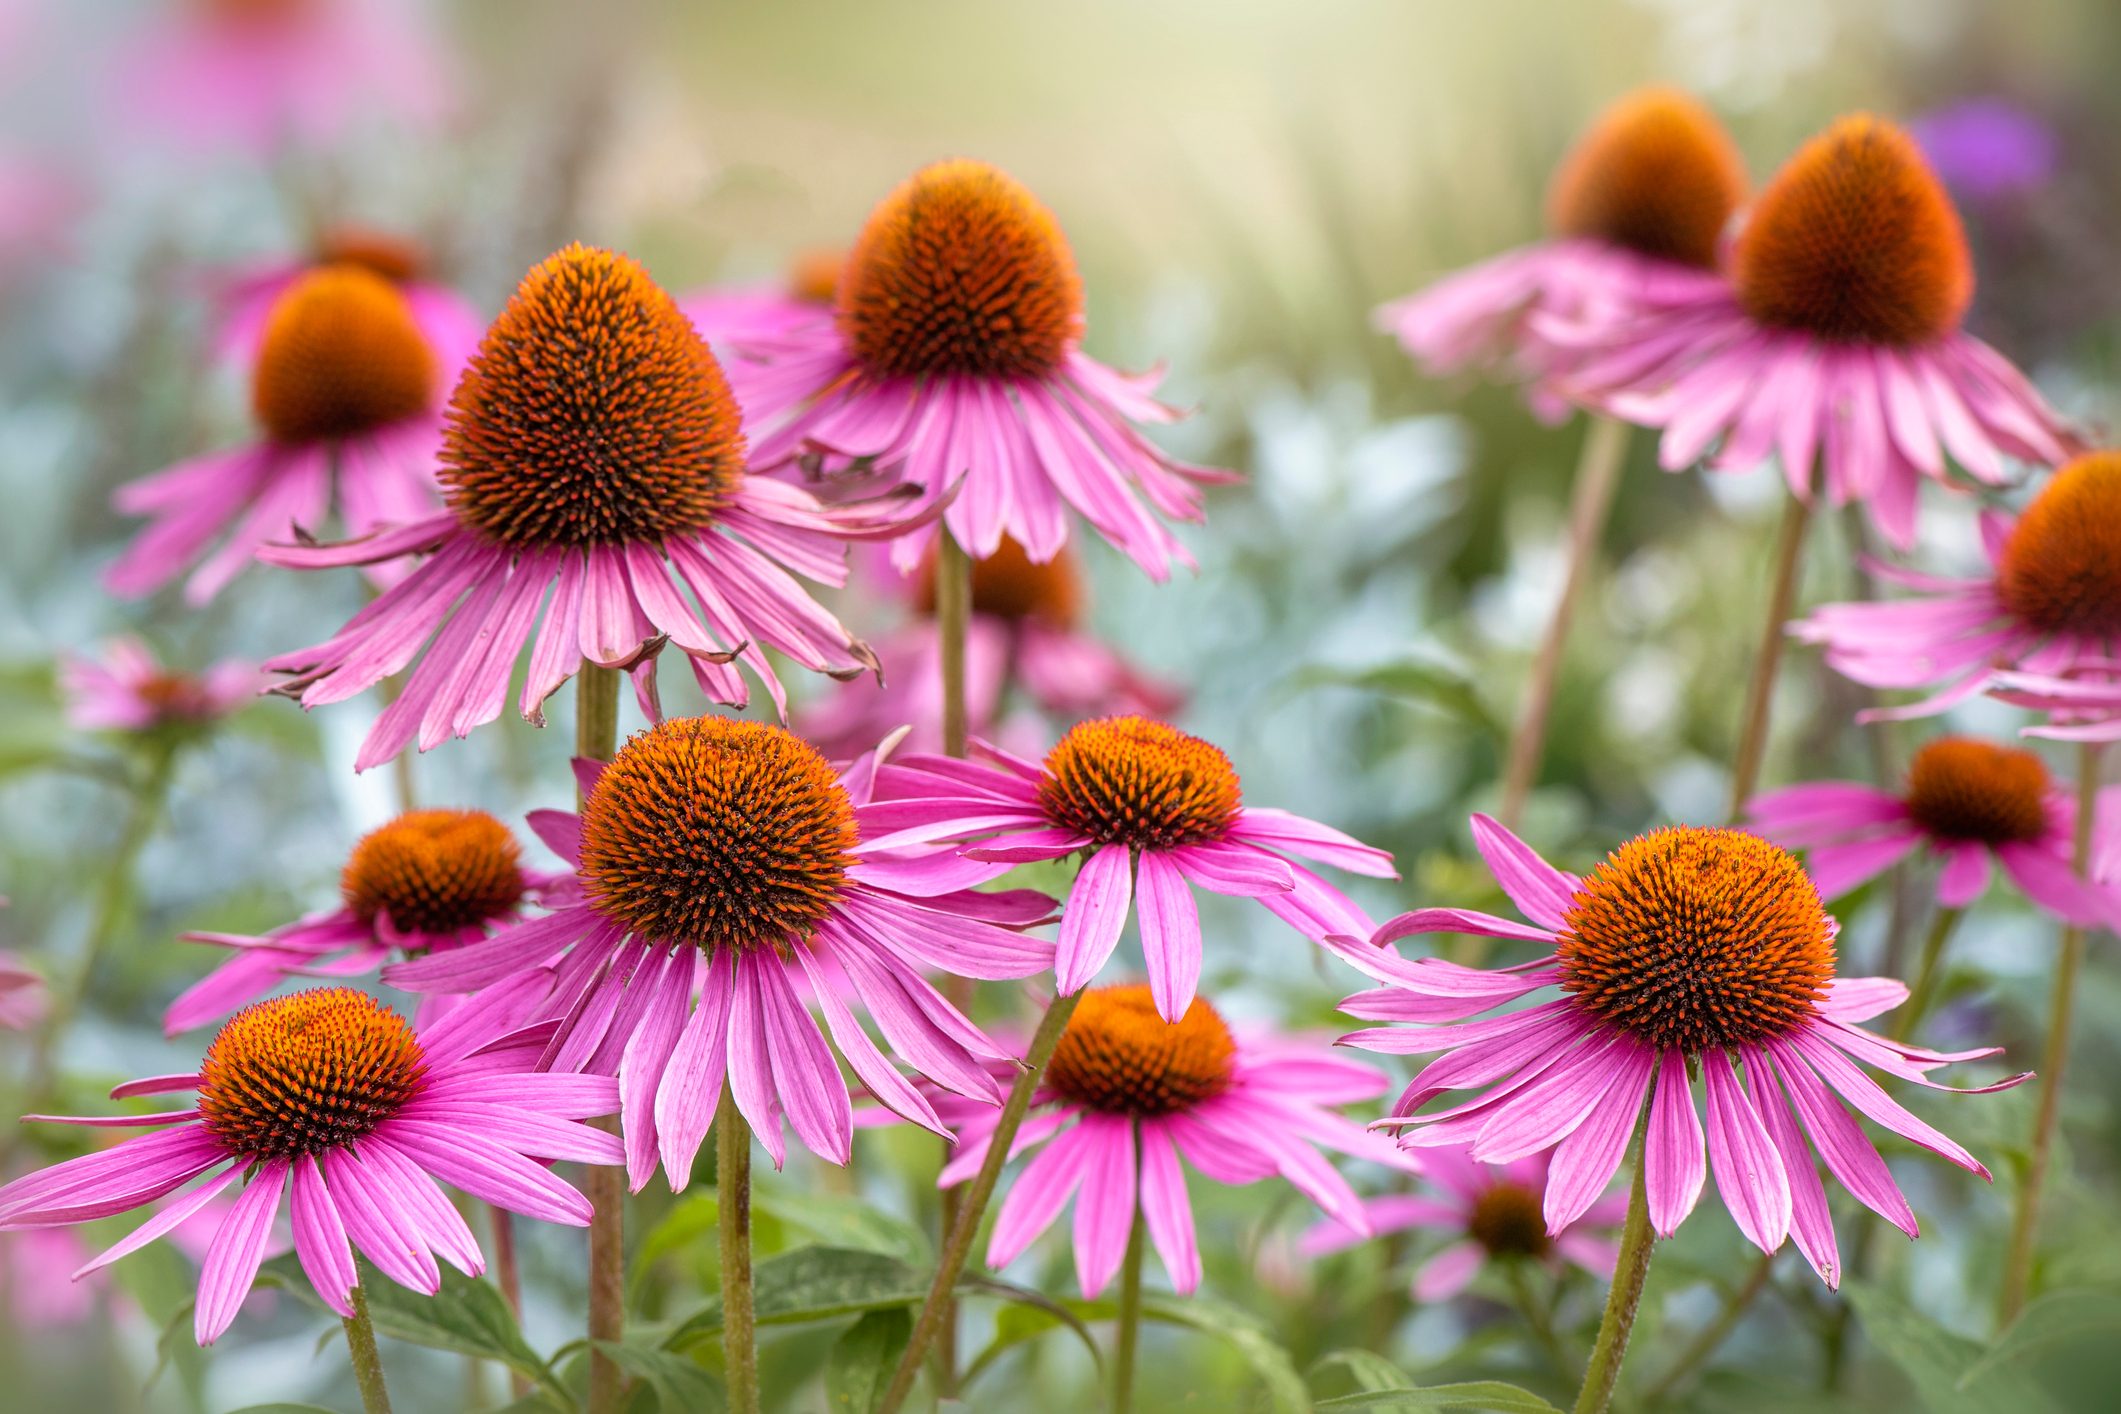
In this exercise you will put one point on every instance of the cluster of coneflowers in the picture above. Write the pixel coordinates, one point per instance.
(755, 932)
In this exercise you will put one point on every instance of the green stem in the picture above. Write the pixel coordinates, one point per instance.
(953, 621)
(1128, 1337)
(1535, 1316)
(596, 737)
(1625, 1298)
(2025, 1223)
(928, 1324)
(1605, 445)
(1929, 974)
(507, 1275)
(1760, 691)
(367, 1363)
(732, 1154)
(1736, 1303)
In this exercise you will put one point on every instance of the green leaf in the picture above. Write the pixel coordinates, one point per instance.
(2049, 1320)
(680, 1386)
(813, 1284)
(863, 1358)
(284, 1408)
(836, 1220)
(1243, 1333)
(1367, 1368)
(1028, 1315)
(1425, 684)
(1490, 1396)
(1941, 1364)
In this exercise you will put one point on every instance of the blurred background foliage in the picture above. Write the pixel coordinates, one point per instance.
(1243, 182)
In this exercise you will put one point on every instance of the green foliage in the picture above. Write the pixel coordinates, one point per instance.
(1491, 1396)
(1947, 1370)
(862, 1360)
(812, 1284)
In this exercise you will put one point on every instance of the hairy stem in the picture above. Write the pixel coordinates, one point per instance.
(596, 737)
(1625, 1298)
(1605, 444)
(732, 1179)
(953, 623)
(1760, 691)
(367, 1363)
(1929, 974)
(928, 1324)
(2025, 1222)
(1127, 1339)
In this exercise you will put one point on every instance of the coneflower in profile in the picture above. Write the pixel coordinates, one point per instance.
(593, 451)
(722, 862)
(952, 358)
(427, 881)
(329, 1102)
(346, 389)
(1834, 344)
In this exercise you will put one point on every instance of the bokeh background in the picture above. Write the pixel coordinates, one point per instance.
(1243, 182)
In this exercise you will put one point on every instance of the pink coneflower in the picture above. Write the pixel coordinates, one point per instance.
(245, 296)
(730, 315)
(347, 392)
(128, 691)
(951, 358)
(720, 860)
(1127, 1094)
(1491, 1212)
(1642, 198)
(592, 449)
(1156, 813)
(1973, 803)
(22, 994)
(1025, 644)
(1689, 950)
(428, 881)
(1835, 339)
(258, 75)
(330, 1099)
(2050, 605)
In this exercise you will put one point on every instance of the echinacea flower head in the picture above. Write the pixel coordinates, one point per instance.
(2049, 606)
(253, 77)
(1027, 646)
(1155, 813)
(1128, 1094)
(1688, 954)
(592, 449)
(128, 690)
(1489, 1212)
(951, 358)
(427, 881)
(329, 1100)
(1971, 804)
(1834, 343)
(723, 861)
(246, 296)
(346, 394)
(1645, 192)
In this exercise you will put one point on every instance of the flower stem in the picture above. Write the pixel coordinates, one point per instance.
(596, 737)
(1605, 444)
(1127, 1338)
(732, 1180)
(367, 1363)
(1621, 1303)
(1760, 692)
(2025, 1223)
(1929, 972)
(928, 1324)
(1736, 1303)
(507, 1275)
(953, 621)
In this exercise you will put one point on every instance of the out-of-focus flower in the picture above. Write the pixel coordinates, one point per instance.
(38, 1288)
(1492, 1212)
(952, 359)
(732, 315)
(428, 881)
(22, 993)
(1987, 149)
(38, 205)
(1155, 812)
(257, 76)
(127, 690)
(1025, 641)
(245, 296)
(2050, 607)
(329, 1099)
(1834, 343)
(347, 394)
(720, 859)
(1689, 951)
(1972, 803)
(1127, 1094)
(1644, 195)
(592, 449)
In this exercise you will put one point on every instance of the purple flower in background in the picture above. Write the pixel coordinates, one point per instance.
(1987, 149)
